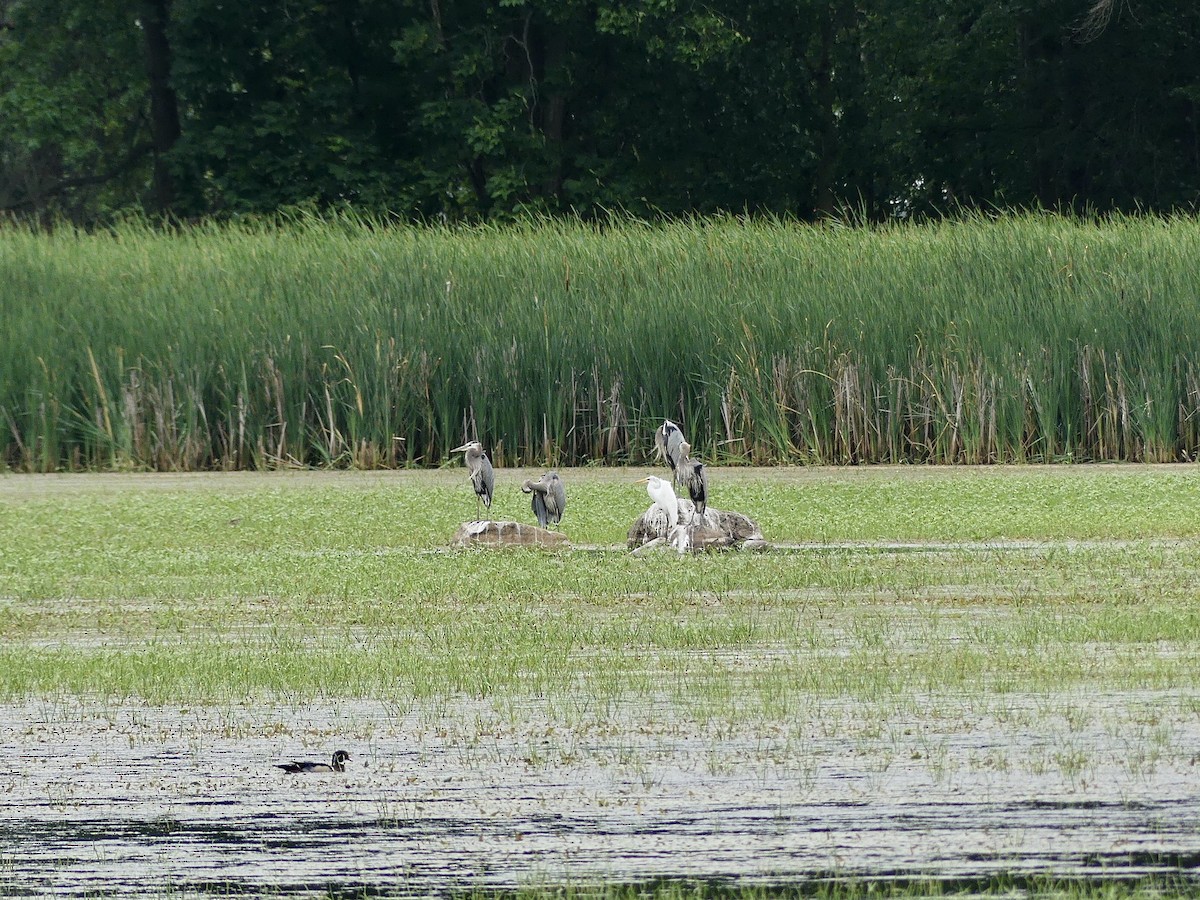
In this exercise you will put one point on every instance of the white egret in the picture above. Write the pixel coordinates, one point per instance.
(667, 504)
(663, 495)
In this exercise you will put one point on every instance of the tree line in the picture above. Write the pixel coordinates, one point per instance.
(455, 110)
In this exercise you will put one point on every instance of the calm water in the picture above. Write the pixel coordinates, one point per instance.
(132, 800)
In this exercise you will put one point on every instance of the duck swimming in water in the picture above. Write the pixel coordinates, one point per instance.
(337, 765)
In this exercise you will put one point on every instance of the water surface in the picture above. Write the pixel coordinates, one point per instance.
(134, 800)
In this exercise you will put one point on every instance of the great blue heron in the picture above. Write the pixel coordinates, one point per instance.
(337, 765)
(549, 499)
(667, 441)
(690, 475)
(479, 468)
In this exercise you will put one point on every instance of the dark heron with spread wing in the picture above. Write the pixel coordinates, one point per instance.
(479, 469)
(690, 475)
(337, 765)
(667, 441)
(549, 498)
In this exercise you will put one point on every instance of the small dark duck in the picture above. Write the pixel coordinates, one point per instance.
(337, 765)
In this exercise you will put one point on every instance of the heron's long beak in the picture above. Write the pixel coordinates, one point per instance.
(645, 480)
(462, 448)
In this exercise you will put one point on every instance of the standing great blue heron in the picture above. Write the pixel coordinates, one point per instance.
(549, 499)
(667, 441)
(691, 476)
(479, 469)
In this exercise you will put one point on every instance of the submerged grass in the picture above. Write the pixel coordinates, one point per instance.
(835, 887)
(1011, 636)
(346, 343)
(900, 583)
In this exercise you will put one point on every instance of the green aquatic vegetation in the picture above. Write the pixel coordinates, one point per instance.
(891, 583)
(356, 343)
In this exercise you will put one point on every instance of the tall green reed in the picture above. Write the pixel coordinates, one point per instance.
(347, 342)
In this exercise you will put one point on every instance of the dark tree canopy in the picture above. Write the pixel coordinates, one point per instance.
(473, 109)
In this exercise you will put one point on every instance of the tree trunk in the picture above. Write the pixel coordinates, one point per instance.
(554, 110)
(164, 107)
(824, 199)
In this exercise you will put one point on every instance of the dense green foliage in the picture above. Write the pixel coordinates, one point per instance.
(475, 109)
(340, 342)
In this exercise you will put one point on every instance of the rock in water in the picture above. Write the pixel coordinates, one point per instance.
(506, 534)
(742, 530)
(716, 528)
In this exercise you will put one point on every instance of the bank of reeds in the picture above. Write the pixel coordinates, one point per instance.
(343, 342)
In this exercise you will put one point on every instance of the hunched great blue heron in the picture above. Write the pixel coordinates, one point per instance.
(667, 440)
(690, 475)
(337, 765)
(479, 469)
(549, 499)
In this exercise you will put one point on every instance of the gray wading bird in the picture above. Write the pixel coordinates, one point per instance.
(479, 469)
(337, 765)
(549, 499)
(690, 475)
(667, 440)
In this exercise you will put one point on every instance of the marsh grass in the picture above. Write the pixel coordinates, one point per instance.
(900, 583)
(931, 640)
(340, 342)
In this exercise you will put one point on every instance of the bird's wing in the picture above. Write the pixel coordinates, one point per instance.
(559, 495)
(660, 442)
(539, 509)
(487, 481)
(674, 440)
(303, 766)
